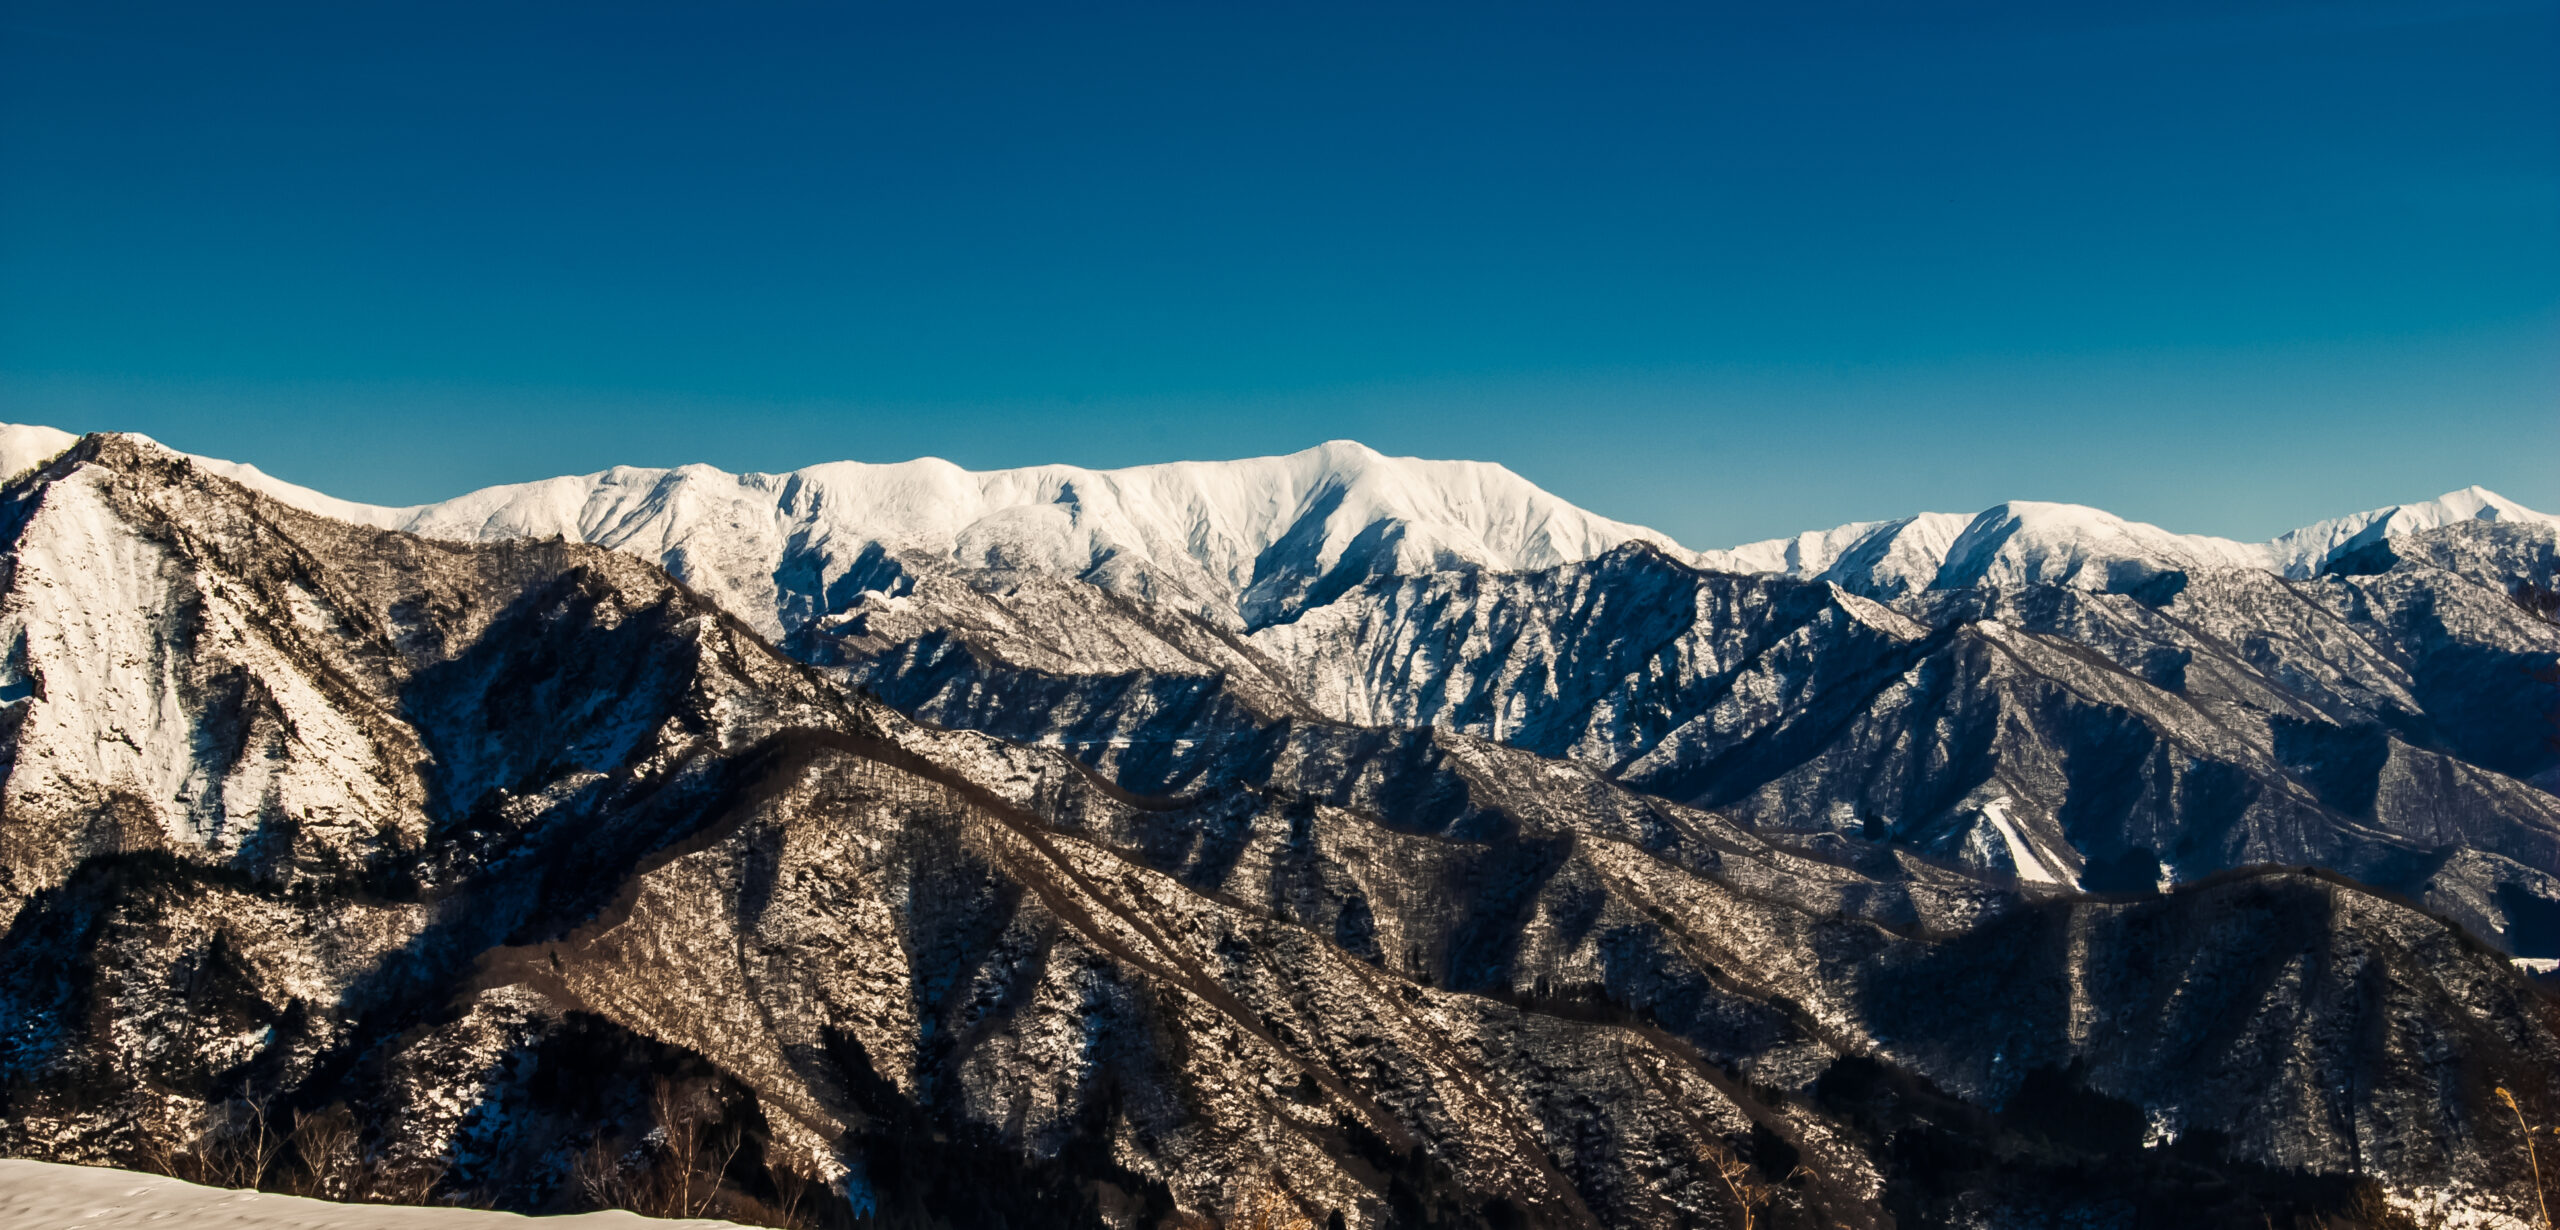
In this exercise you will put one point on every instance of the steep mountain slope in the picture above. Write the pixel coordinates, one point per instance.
(549, 876)
(2388, 725)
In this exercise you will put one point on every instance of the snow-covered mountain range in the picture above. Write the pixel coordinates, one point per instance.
(1257, 541)
(2026, 542)
(1241, 540)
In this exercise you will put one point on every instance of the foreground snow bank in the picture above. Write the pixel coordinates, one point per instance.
(47, 1195)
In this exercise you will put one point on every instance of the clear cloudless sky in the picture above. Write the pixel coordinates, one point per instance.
(1731, 270)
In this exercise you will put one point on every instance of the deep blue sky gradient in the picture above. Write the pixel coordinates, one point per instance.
(1729, 270)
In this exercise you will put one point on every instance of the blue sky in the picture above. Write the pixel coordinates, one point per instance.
(1729, 270)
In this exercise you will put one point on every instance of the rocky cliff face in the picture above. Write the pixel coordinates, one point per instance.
(1612, 894)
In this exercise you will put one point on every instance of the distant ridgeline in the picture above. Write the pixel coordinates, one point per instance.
(1330, 839)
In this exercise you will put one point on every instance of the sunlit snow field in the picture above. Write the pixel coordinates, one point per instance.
(47, 1196)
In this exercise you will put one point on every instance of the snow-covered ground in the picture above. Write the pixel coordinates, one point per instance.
(48, 1196)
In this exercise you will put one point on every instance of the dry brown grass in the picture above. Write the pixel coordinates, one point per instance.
(2532, 1154)
(1743, 1182)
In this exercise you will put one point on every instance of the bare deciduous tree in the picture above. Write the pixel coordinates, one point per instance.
(791, 1191)
(326, 1142)
(693, 1160)
(237, 1147)
(600, 1177)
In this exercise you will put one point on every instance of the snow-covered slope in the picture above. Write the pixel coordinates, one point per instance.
(23, 447)
(2022, 542)
(102, 1198)
(1907, 550)
(2301, 552)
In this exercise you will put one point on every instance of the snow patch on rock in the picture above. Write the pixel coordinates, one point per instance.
(2022, 856)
